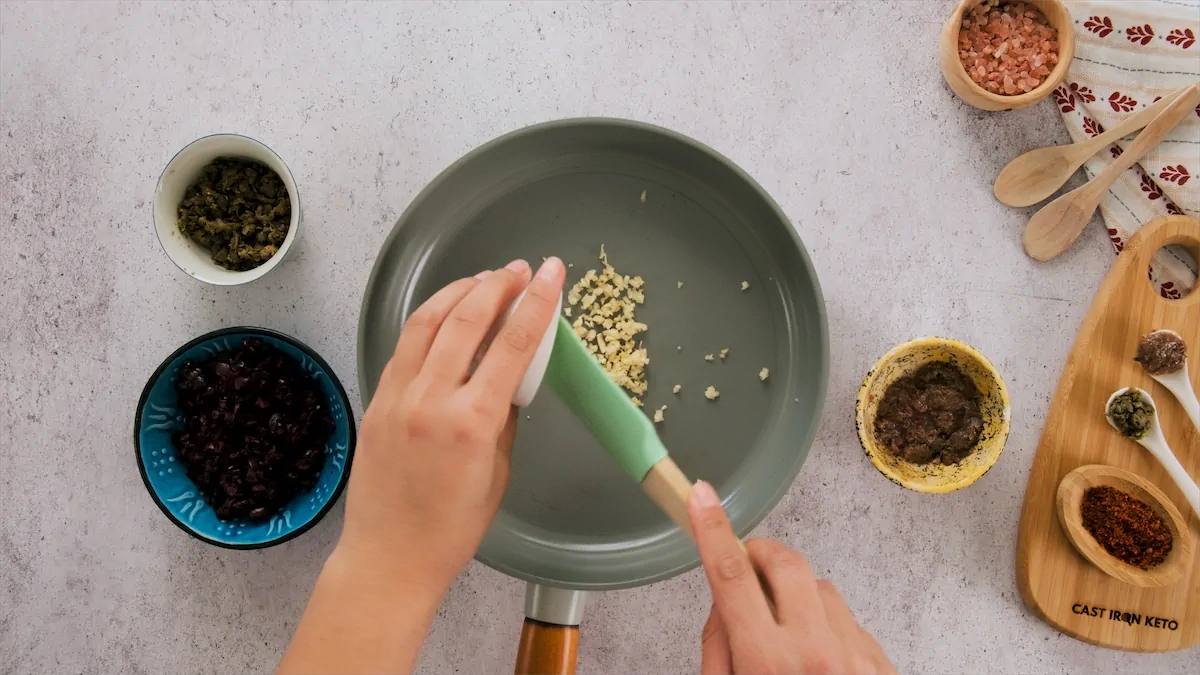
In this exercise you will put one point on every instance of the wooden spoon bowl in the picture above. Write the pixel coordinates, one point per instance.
(1070, 496)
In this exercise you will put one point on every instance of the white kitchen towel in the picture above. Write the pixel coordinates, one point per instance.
(1130, 53)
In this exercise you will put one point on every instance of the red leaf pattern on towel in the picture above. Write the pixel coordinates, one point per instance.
(1101, 26)
(1064, 99)
(1151, 188)
(1075, 102)
(1120, 102)
(1066, 95)
(1143, 34)
(1115, 238)
(1183, 38)
(1083, 93)
(1177, 174)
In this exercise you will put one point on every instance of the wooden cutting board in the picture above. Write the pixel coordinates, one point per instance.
(1059, 584)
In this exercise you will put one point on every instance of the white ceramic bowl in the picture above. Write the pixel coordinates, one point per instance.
(181, 172)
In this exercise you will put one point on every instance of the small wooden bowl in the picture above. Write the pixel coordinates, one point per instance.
(1070, 495)
(956, 75)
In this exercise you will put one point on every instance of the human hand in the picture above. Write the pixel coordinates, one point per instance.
(434, 446)
(808, 629)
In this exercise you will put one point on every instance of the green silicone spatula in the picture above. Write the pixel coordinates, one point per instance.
(622, 429)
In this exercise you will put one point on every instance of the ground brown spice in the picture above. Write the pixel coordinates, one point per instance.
(1126, 526)
(1161, 352)
(930, 415)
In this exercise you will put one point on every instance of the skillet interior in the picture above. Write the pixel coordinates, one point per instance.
(570, 517)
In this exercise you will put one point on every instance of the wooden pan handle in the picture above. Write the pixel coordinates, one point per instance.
(547, 649)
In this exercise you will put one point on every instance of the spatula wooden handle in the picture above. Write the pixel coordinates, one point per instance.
(546, 649)
(668, 487)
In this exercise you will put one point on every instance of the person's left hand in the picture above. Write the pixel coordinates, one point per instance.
(433, 454)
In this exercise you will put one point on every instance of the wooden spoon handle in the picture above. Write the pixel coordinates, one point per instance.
(1133, 122)
(1150, 137)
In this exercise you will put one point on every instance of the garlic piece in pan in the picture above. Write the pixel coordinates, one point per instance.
(605, 322)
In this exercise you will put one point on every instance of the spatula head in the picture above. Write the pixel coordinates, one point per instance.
(609, 415)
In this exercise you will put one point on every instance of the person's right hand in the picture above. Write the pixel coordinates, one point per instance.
(804, 627)
(434, 445)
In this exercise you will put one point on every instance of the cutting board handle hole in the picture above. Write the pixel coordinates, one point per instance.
(1187, 254)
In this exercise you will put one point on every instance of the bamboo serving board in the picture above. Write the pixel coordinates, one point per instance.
(1059, 584)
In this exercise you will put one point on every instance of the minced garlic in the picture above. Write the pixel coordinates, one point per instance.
(745, 285)
(724, 353)
(711, 393)
(606, 302)
(708, 357)
(763, 374)
(658, 414)
(676, 389)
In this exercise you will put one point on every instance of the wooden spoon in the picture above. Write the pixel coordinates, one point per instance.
(1069, 498)
(1035, 175)
(1053, 229)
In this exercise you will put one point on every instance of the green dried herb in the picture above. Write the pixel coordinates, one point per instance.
(1131, 415)
(239, 210)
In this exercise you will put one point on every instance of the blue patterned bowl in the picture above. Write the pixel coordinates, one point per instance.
(167, 481)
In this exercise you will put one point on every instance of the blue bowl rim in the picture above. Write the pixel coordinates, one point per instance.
(337, 384)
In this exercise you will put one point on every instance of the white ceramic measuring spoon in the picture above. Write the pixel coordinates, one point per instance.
(1156, 443)
(1178, 384)
(537, 368)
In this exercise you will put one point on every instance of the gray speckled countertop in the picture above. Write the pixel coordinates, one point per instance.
(838, 109)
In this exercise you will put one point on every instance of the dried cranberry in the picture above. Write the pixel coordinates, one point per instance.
(250, 460)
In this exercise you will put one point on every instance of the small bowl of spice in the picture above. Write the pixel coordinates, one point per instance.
(1124, 525)
(933, 415)
(1006, 54)
(244, 438)
(226, 209)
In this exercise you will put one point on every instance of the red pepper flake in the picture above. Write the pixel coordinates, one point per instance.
(1126, 526)
(1008, 48)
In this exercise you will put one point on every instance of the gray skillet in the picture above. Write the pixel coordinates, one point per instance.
(571, 518)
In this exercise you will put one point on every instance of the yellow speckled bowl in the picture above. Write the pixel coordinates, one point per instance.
(934, 477)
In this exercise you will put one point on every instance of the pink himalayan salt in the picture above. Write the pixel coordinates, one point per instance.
(1007, 48)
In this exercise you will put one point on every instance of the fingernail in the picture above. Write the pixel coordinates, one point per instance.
(704, 496)
(517, 265)
(550, 269)
(483, 274)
